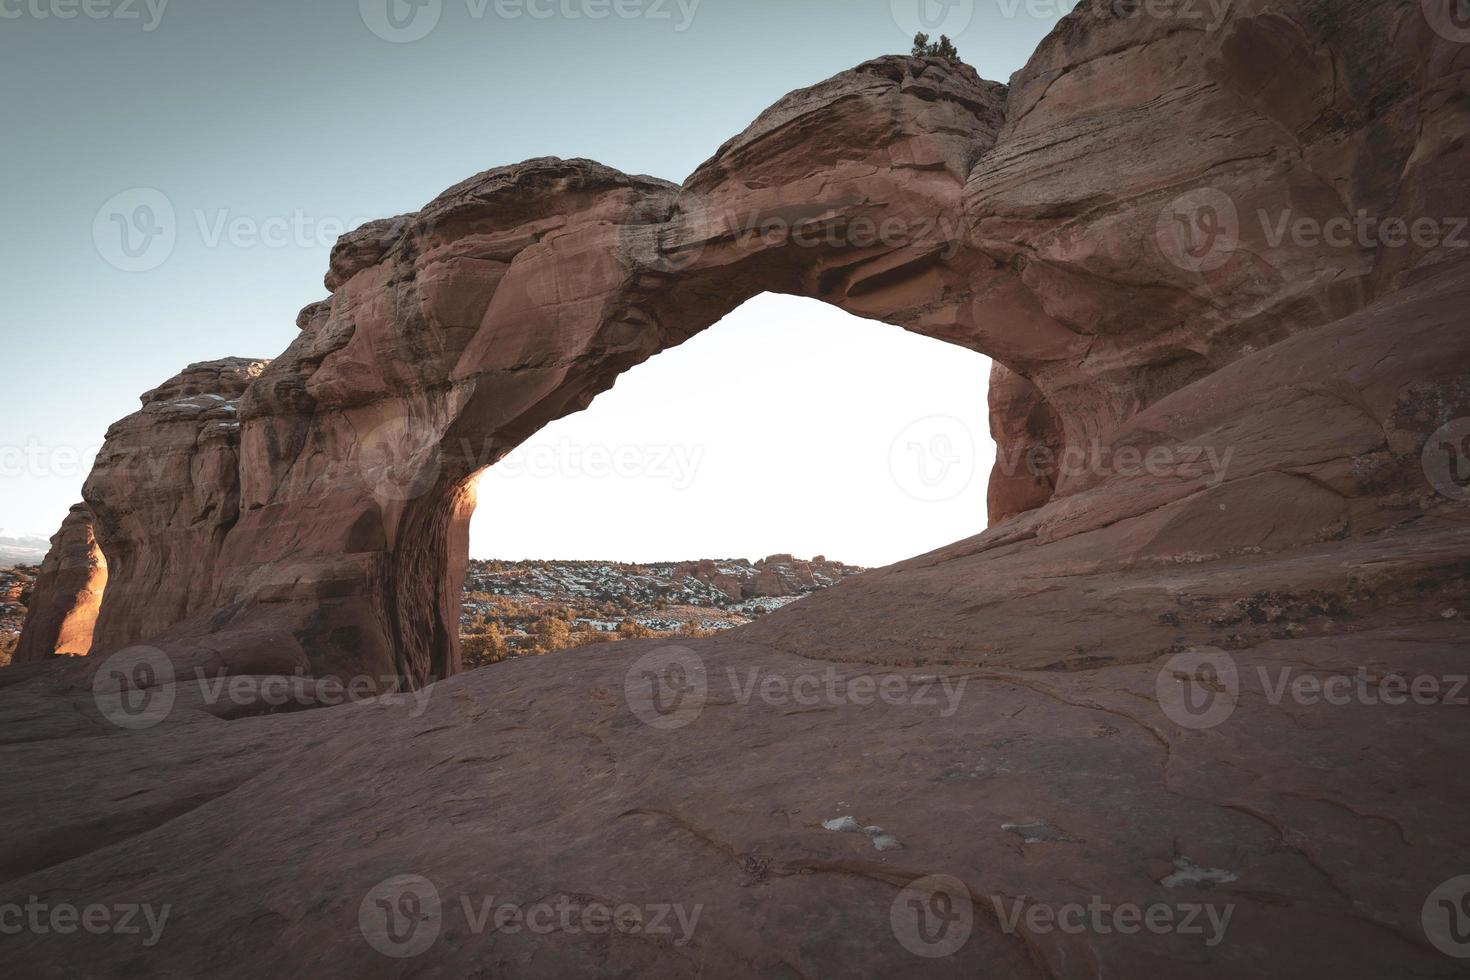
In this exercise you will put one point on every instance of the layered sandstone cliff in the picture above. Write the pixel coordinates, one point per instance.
(1250, 450)
(1107, 228)
(67, 593)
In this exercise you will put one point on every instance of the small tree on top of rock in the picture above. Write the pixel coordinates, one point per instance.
(943, 48)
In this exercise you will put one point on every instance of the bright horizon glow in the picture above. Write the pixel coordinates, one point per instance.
(788, 427)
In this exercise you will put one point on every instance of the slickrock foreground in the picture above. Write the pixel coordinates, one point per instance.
(1206, 663)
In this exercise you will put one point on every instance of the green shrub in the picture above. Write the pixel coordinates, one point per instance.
(943, 48)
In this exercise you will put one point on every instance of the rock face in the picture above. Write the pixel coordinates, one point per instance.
(1110, 239)
(1248, 386)
(67, 593)
(163, 493)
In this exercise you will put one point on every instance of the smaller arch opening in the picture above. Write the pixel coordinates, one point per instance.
(791, 427)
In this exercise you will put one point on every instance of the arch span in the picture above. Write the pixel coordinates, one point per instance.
(1039, 224)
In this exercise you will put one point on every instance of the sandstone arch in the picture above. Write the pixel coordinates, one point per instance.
(1032, 225)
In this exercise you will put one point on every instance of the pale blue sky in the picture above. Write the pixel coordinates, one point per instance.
(296, 118)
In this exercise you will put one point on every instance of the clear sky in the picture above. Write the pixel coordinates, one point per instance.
(269, 126)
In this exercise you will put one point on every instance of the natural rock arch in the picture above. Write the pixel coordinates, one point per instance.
(1031, 223)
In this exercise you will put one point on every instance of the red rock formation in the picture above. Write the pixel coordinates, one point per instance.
(1028, 444)
(67, 593)
(1106, 228)
(1249, 477)
(164, 492)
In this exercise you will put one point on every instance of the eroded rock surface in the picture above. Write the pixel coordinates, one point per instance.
(163, 493)
(67, 593)
(1247, 426)
(1109, 228)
